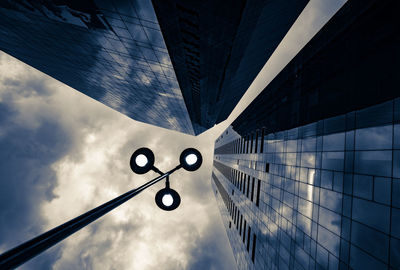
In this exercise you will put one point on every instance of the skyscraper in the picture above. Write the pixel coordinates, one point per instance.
(112, 51)
(308, 176)
(218, 47)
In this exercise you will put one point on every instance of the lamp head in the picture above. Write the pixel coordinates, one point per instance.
(142, 160)
(168, 199)
(190, 159)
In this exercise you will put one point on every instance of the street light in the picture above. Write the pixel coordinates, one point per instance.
(167, 198)
(190, 159)
(141, 162)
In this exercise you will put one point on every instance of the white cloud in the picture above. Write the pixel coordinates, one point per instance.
(137, 235)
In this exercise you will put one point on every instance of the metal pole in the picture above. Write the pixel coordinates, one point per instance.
(26, 251)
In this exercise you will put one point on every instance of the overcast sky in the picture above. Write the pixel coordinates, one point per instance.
(62, 153)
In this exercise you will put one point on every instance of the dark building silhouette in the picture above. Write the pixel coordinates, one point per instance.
(348, 66)
(218, 47)
(308, 176)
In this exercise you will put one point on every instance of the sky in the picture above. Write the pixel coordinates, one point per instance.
(63, 153)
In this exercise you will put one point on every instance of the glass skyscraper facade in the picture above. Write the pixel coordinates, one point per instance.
(308, 176)
(218, 47)
(112, 51)
(320, 196)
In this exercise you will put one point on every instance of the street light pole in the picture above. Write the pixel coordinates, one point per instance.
(141, 162)
(24, 252)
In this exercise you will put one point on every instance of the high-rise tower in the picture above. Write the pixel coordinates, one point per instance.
(218, 47)
(308, 176)
(112, 51)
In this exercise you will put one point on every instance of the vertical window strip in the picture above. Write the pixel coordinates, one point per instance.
(248, 238)
(252, 189)
(248, 186)
(256, 143)
(258, 193)
(235, 179)
(244, 231)
(237, 220)
(244, 185)
(241, 221)
(253, 251)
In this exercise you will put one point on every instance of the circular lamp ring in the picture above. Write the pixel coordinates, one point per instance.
(142, 160)
(191, 159)
(167, 199)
